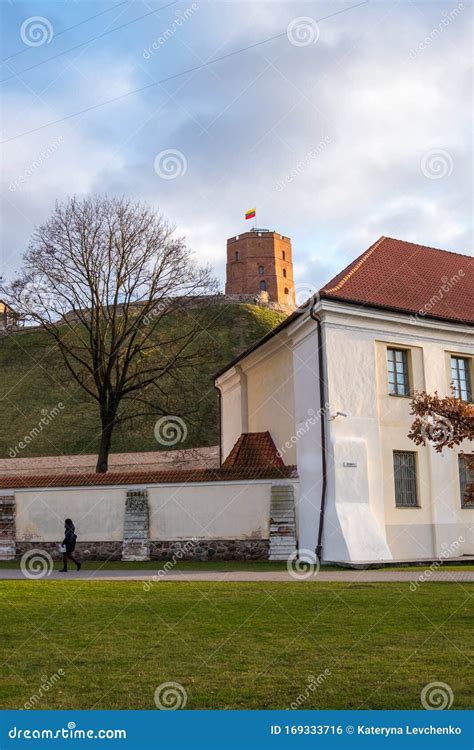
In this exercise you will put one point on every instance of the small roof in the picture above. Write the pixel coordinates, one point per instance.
(253, 449)
(397, 276)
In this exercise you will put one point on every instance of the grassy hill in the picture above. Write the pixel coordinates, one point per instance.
(34, 380)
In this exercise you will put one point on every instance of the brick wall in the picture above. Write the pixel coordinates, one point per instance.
(248, 254)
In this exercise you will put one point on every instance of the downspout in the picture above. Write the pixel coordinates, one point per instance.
(219, 401)
(322, 402)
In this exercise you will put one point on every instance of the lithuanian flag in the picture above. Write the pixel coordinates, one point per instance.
(250, 214)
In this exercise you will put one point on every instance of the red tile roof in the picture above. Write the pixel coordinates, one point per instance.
(399, 276)
(416, 279)
(253, 449)
(254, 456)
(25, 481)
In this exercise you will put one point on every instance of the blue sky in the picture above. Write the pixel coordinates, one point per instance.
(338, 132)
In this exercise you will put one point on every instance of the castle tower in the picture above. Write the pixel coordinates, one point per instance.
(260, 262)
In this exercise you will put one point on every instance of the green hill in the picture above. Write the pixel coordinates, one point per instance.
(34, 380)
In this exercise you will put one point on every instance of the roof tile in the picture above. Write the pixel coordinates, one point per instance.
(412, 278)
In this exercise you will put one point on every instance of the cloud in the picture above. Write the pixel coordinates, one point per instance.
(326, 140)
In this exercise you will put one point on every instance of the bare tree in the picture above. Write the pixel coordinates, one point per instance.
(111, 284)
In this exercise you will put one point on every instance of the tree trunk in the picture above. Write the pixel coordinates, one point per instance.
(104, 447)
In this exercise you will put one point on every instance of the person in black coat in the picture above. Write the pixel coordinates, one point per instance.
(70, 543)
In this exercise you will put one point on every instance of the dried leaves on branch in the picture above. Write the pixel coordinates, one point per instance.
(116, 290)
(441, 421)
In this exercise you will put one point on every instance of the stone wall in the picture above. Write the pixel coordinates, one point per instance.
(210, 549)
(222, 520)
(83, 551)
(7, 527)
(189, 549)
(186, 458)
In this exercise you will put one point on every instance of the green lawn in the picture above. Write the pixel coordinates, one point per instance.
(155, 565)
(232, 645)
(223, 565)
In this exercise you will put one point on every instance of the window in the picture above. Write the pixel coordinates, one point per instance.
(261, 270)
(263, 286)
(404, 469)
(284, 273)
(397, 365)
(236, 255)
(283, 255)
(466, 476)
(460, 378)
(286, 290)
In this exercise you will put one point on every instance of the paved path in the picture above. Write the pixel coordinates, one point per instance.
(336, 576)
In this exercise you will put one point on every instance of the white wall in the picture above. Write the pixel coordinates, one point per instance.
(97, 513)
(362, 522)
(217, 510)
(212, 511)
(258, 395)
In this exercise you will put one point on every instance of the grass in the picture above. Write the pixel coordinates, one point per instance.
(231, 645)
(34, 381)
(224, 565)
(155, 565)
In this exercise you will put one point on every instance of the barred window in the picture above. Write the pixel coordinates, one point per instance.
(404, 468)
(466, 477)
(261, 270)
(397, 365)
(460, 378)
(263, 286)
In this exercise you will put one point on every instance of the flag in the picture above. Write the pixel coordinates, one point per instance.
(250, 214)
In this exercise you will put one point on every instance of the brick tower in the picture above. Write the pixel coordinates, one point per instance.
(261, 262)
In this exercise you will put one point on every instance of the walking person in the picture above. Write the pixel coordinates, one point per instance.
(69, 544)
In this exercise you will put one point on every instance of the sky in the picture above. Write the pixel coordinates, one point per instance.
(338, 131)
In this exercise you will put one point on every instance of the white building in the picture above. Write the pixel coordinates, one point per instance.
(332, 385)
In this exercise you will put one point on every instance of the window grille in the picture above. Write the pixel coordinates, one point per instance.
(404, 467)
